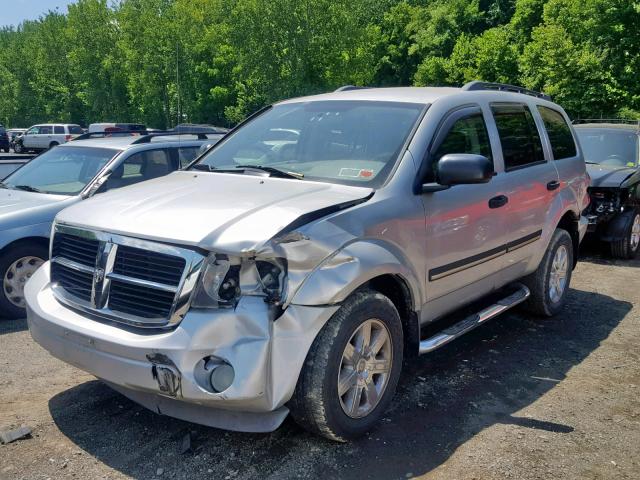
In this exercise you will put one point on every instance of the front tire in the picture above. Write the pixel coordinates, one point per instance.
(352, 369)
(17, 265)
(627, 247)
(550, 282)
(18, 148)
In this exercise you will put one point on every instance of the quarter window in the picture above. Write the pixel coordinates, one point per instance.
(519, 137)
(562, 144)
(58, 129)
(467, 135)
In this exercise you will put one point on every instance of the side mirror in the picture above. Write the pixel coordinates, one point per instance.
(460, 169)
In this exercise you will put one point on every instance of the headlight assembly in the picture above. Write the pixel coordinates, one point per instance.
(224, 279)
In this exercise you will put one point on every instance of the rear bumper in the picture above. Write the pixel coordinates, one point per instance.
(266, 355)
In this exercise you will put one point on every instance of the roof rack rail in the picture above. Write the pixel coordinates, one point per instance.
(144, 135)
(88, 135)
(146, 138)
(621, 121)
(346, 88)
(503, 87)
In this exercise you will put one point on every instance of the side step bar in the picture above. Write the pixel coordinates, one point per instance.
(457, 330)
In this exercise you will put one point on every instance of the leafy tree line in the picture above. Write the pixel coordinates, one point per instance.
(167, 61)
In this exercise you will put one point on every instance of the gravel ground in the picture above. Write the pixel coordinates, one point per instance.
(518, 398)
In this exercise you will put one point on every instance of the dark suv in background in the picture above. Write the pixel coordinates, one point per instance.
(4, 139)
(612, 153)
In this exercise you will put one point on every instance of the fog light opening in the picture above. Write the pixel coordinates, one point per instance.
(221, 377)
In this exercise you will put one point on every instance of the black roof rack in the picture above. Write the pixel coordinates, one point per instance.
(346, 88)
(113, 133)
(145, 136)
(503, 87)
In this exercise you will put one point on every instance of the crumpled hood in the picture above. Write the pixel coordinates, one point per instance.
(222, 212)
(19, 208)
(608, 176)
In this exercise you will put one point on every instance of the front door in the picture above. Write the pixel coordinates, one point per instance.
(465, 231)
(30, 138)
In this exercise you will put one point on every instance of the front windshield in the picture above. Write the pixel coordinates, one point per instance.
(63, 170)
(617, 148)
(348, 142)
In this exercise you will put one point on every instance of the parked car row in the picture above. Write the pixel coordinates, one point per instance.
(295, 265)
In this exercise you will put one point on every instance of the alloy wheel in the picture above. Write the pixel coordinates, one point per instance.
(365, 368)
(558, 274)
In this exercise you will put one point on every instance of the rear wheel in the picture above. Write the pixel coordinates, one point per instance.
(627, 247)
(352, 369)
(53, 144)
(550, 282)
(17, 265)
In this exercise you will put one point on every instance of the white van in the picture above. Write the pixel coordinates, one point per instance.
(46, 135)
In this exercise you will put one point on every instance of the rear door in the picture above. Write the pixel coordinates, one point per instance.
(531, 182)
(44, 137)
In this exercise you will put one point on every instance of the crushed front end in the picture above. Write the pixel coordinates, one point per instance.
(192, 334)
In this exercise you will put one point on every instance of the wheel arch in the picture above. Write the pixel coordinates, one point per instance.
(570, 222)
(41, 241)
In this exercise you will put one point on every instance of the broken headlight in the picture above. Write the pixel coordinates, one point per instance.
(224, 279)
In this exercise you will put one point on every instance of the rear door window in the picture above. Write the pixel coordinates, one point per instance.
(562, 144)
(46, 130)
(519, 137)
(58, 129)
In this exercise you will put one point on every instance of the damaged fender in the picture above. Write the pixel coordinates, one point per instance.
(344, 271)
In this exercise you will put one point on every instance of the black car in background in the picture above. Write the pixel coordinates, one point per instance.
(611, 151)
(4, 139)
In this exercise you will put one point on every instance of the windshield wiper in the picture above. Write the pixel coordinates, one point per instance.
(28, 188)
(4, 185)
(203, 166)
(275, 172)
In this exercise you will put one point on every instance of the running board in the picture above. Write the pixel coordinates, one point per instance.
(457, 330)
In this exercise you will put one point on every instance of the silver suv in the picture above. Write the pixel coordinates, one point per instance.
(293, 273)
(31, 196)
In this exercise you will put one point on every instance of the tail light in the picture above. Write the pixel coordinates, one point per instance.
(68, 137)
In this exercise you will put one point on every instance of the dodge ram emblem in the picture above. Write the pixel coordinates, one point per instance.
(98, 275)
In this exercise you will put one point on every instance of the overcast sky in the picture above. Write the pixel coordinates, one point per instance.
(12, 12)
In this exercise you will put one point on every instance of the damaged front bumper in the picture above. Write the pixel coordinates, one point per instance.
(163, 370)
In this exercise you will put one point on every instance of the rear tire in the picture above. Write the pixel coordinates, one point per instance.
(627, 248)
(53, 144)
(17, 265)
(550, 282)
(340, 357)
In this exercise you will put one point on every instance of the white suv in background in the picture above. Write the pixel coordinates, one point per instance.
(46, 135)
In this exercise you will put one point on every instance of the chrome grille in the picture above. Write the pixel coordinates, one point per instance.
(77, 249)
(76, 282)
(123, 279)
(151, 266)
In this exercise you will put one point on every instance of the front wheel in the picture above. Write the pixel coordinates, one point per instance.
(550, 282)
(18, 148)
(352, 369)
(628, 246)
(17, 265)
